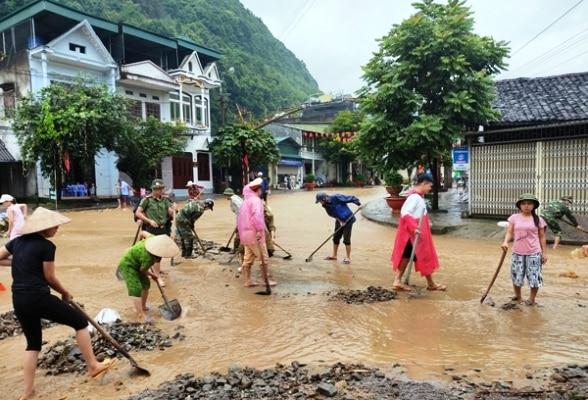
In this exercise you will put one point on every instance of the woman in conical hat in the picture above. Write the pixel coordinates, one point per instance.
(33, 277)
(136, 264)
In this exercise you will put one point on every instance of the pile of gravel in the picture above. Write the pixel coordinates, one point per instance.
(65, 357)
(352, 381)
(371, 295)
(9, 325)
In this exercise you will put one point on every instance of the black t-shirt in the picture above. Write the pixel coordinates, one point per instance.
(28, 254)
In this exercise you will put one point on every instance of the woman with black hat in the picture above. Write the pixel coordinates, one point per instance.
(33, 277)
(527, 229)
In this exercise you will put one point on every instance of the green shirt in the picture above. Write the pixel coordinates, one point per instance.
(557, 210)
(156, 209)
(137, 258)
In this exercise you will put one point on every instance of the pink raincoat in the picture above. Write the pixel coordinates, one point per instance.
(251, 220)
(426, 256)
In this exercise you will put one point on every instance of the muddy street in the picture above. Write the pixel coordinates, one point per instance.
(431, 335)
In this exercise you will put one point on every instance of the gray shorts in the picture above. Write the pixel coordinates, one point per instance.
(526, 266)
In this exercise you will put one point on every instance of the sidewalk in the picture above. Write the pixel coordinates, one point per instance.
(449, 221)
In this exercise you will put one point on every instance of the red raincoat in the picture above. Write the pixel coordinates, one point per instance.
(426, 256)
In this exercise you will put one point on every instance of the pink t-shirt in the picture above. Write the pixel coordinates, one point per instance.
(526, 235)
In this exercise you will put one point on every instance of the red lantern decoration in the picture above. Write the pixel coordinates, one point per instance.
(304, 134)
(354, 133)
(310, 134)
(338, 139)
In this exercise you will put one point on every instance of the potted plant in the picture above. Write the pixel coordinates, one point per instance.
(360, 180)
(394, 182)
(309, 181)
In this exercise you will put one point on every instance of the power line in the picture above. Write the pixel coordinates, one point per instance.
(549, 26)
(297, 20)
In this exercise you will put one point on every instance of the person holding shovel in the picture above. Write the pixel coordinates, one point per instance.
(413, 224)
(33, 277)
(251, 225)
(527, 230)
(136, 264)
(337, 207)
(554, 212)
(236, 203)
(185, 220)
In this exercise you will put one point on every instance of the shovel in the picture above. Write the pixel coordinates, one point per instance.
(289, 256)
(332, 234)
(265, 267)
(139, 370)
(201, 245)
(570, 224)
(227, 248)
(171, 309)
(494, 277)
(413, 252)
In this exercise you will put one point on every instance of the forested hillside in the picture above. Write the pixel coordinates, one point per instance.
(267, 76)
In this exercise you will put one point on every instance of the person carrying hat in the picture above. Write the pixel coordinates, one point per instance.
(16, 214)
(414, 220)
(33, 277)
(155, 210)
(336, 206)
(135, 267)
(194, 190)
(251, 225)
(185, 220)
(527, 230)
(236, 203)
(554, 212)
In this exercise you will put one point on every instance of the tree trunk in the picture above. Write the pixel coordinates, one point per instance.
(435, 172)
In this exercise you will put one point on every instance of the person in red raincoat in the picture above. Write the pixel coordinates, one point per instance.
(425, 259)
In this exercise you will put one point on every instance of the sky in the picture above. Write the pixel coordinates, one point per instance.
(335, 38)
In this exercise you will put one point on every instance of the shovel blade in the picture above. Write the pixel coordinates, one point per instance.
(170, 310)
(119, 274)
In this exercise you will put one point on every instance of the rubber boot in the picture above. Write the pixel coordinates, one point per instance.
(189, 252)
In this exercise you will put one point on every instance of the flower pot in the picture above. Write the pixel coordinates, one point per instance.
(310, 186)
(395, 202)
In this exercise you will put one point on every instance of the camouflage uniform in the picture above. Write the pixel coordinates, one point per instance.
(185, 220)
(553, 213)
(270, 227)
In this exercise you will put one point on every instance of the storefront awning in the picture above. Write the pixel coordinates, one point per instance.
(289, 161)
(5, 155)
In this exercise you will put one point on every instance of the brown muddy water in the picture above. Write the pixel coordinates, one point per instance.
(432, 335)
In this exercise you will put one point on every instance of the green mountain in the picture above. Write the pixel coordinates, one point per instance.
(267, 76)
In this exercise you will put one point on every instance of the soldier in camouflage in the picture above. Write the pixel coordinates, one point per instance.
(185, 220)
(554, 212)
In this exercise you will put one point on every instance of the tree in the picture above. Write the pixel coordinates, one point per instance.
(342, 150)
(430, 79)
(74, 121)
(242, 145)
(142, 148)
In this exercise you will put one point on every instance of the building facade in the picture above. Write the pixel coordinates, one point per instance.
(167, 78)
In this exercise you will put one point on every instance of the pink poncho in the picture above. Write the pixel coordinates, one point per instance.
(250, 220)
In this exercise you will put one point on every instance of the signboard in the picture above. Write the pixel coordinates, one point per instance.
(52, 194)
(461, 158)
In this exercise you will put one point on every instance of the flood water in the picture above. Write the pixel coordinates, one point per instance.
(432, 335)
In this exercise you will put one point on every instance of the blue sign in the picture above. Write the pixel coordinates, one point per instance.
(461, 158)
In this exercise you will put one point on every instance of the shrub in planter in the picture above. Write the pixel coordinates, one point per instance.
(394, 180)
(309, 178)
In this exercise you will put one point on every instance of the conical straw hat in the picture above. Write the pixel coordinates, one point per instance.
(42, 219)
(162, 246)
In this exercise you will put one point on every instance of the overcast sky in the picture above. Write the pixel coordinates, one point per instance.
(335, 38)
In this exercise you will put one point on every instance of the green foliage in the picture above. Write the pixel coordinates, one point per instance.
(80, 118)
(267, 77)
(339, 152)
(393, 178)
(142, 148)
(234, 141)
(309, 178)
(430, 78)
(361, 177)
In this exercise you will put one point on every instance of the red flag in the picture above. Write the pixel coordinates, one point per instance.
(66, 161)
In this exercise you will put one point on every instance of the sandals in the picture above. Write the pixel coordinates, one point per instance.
(515, 298)
(108, 363)
(329, 258)
(437, 286)
(401, 288)
(346, 261)
(527, 303)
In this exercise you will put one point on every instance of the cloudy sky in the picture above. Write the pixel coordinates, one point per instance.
(335, 38)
